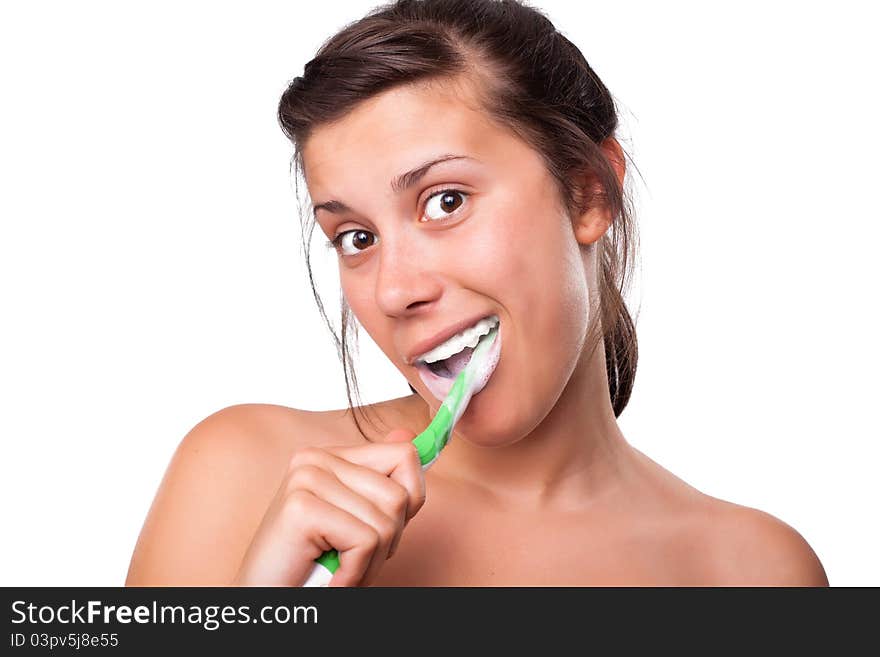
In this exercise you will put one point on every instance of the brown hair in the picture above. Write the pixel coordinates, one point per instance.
(531, 79)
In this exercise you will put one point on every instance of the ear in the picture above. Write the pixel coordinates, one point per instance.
(596, 220)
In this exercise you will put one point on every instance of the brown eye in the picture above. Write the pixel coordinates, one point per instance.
(351, 242)
(445, 201)
(362, 239)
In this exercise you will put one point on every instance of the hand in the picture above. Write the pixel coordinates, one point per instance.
(354, 499)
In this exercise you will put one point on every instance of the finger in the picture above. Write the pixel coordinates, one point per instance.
(383, 457)
(400, 436)
(405, 435)
(375, 471)
(327, 524)
(388, 495)
(384, 495)
(325, 485)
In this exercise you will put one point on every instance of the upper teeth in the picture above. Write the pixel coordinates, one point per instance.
(467, 338)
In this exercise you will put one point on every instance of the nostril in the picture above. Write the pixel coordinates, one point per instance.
(416, 304)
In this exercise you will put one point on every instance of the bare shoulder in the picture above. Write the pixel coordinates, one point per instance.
(219, 482)
(744, 546)
(714, 542)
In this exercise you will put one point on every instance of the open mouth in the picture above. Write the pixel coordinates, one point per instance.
(439, 367)
(449, 368)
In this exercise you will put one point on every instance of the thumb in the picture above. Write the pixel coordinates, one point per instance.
(400, 435)
(416, 490)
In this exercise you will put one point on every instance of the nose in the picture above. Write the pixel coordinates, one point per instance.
(405, 282)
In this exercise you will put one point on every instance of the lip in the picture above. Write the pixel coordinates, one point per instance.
(439, 338)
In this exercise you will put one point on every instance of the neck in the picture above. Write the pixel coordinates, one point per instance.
(574, 455)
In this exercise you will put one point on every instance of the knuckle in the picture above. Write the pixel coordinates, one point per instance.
(399, 499)
(302, 457)
(387, 529)
(306, 476)
(298, 503)
(371, 538)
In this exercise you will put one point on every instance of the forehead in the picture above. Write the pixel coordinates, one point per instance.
(400, 128)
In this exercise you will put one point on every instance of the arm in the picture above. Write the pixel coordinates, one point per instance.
(210, 500)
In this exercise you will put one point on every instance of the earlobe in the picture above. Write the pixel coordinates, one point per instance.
(591, 225)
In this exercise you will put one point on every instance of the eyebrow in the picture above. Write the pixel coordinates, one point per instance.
(399, 184)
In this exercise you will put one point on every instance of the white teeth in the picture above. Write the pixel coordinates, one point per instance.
(467, 338)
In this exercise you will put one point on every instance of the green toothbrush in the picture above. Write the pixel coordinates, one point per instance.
(433, 439)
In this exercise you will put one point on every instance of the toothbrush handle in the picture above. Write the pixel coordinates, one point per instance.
(428, 443)
(328, 563)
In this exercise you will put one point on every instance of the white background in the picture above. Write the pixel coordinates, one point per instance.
(151, 271)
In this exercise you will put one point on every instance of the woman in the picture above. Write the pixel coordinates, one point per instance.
(460, 156)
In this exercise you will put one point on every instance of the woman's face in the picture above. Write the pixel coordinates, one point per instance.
(479, 235)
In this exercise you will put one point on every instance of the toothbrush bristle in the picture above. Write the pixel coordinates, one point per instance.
(479, 360)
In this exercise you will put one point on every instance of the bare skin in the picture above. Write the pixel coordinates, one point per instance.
(653, 530)
(538, 485)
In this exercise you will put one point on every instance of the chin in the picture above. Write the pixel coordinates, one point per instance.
(494, 422)
(494, 414)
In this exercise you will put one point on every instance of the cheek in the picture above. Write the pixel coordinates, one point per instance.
(363, 305)
(359, 296)
(538, 276)
(503, 253)
(534, 262)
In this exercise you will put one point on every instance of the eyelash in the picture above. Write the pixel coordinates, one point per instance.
(335, 243)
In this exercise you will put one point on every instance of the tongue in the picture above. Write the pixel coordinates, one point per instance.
(455, 364)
